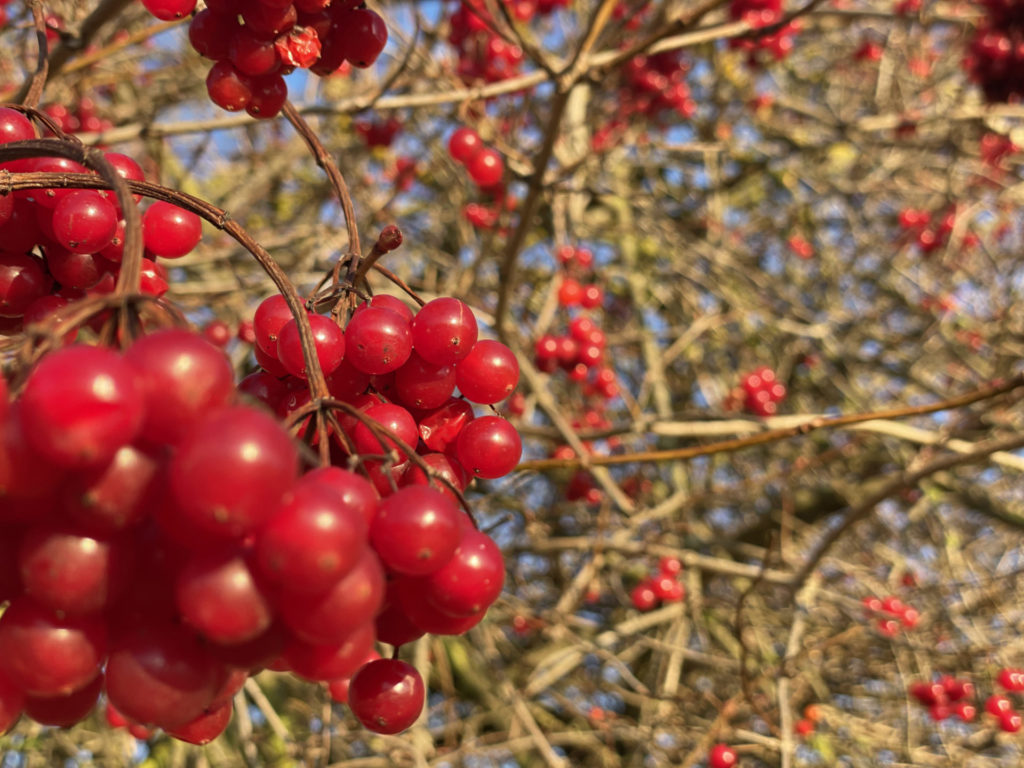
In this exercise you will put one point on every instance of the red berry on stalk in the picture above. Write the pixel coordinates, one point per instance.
(444, 331)
(84, 221)
(170, 231)
(643, 596)
(416, 530)
(80, 405)
(232, 469)
(463, 144)
(314, 539)
(471, 581)
(23, 280)
(218, 595)
(489, 373)
(386, 695)
(997, 705)
(328, 338)
(378, 340)
(227, 88)
(486, 167)
(206, 727)
(362, 34)
(489, 447)
(1010, 721)
(47, 655)
(182, 377)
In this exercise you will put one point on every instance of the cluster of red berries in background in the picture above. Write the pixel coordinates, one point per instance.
(891, 614)
(927, 235)
(378, 133)
(60, 244)
(662, 587)
(255, 43)
(581, 351)
(951, 696)
(947, 697)
(487, 170)
(655, 84)
(995, 56)
(759, 393)
(84, 117)
(763, 13)
(483, 55)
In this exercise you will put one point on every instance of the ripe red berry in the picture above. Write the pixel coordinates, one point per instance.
(463, 144)
(722, 756)
(486, 167)
(444, 331)
(169, 10)
(170, 231)
(84, 221)
(416, 530)
(386, 695)
(489, 447)
(489, 373)
(643, 596)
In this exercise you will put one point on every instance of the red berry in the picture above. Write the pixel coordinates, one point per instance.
(386, 695)
(463, 144)
(486, 167)
(722, 756)
(170, 231)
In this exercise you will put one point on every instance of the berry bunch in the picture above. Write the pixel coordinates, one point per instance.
(656, 84)
(378, 133)
(947, 697)
(483, 54)
(255, 44)
(995, 56)
(62, 243)
(760, 393)
(763, 13)
(891, 614)
(923, 232)
(484, 164)
(664, 586)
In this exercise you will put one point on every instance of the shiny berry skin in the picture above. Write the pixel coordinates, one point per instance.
(721, 756)
(22, 281)
(218, 595)
(84, 221)
(489, 373)
(271, 316)
(643, 596)
(444, 331)
(317, 536)
(232, 470)
(328, 338)
(183, 377)
(227, 87)
(45, 655)
(489, 447)
(170, 10)
(14, 126)
(80, 405)
(161, 674)
(416, 530)
(206, 727)
(362, 34)
(486, 168)
(378, 340)
(469, 582)
(170, 231)
(386, 695)
(463, 144)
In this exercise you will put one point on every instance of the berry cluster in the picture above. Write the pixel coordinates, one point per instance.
(995, 56)
(581, 351)
(83, 117)
(995, 147)
(655, 84)
(891, 614)
(62, 243)
(484, 164)
(763, 13)
(923, 232)
(254, 44)
(947, 697)
(663, 587)
(378, 133)
(760, 393)
(483, 54)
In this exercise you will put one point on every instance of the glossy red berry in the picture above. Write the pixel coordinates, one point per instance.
(444, 331)
(489, 447)
(328, 338)
(489, 373)
(169, 10)
(486, 167)
(378, 340)
(722, 756)
(416, 530)
(170, 231)
(85, 221)
(463, 144)
(386, 695)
